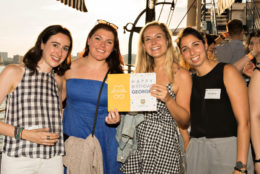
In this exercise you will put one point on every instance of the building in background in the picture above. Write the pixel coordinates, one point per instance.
(4, 56)
(17, 59)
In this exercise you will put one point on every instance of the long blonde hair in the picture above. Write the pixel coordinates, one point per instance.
(145, 62)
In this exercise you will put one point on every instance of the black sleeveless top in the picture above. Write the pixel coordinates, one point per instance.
(211, 112)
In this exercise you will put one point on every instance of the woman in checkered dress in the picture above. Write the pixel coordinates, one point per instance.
(158, 146)
(33, 141)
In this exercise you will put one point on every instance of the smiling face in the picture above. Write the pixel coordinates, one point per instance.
(155, 42)
(252, 42)
(101, 44)
(193, 51)
(54, 52)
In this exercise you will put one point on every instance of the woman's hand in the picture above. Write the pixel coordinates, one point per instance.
(113, 117)
(248, 69)
(160, 92)
(40, 136)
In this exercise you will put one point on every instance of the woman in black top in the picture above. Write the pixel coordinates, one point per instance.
(220, 129)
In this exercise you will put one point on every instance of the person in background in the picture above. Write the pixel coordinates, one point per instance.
(33, 141)
(248, 62)
(158, 145)
(254, 100)
(81, 88)
(232, 50)
(220, 127)
(211, 51)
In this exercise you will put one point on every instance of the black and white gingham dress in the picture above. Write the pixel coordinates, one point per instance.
(158, 148)
(34, 103)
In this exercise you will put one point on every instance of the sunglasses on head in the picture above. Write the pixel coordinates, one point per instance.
(101, 21)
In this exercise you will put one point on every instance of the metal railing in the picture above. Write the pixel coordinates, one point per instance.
(214, 18)
(252, 16)
(210, 16)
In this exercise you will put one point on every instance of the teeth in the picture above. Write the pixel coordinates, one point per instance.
(56, 58)
(195, 58)
(102, 51)
(155, 48)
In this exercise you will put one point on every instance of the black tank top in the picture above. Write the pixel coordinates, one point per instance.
(211, 112)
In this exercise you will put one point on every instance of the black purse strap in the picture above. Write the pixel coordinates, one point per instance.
(99, 95)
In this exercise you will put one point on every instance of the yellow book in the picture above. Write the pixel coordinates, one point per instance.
(131, 92)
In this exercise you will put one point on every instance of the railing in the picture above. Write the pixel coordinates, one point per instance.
(217, 21)
(214, 18)
(211, 20)
(206, 18)
(252, 16)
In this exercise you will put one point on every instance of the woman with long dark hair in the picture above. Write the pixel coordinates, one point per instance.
(33, 141)
(220, 127)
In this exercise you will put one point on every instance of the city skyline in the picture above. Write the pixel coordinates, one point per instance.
(16, 59)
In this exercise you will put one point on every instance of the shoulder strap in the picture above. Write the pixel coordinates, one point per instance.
(99, 95)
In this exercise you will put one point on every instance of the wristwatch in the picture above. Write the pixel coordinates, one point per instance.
(240, 167)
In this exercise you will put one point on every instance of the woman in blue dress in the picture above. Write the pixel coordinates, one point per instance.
(83, 82)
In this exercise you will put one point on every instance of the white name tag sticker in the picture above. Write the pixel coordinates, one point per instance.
(212, 93)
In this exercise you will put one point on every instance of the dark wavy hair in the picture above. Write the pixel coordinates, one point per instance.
(189, 31)
(34, 55)
(185, 32)
(115, 59)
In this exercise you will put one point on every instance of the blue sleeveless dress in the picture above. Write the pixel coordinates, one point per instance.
(78, 118)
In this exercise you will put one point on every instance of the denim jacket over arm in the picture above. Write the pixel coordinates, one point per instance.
(126, 135)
